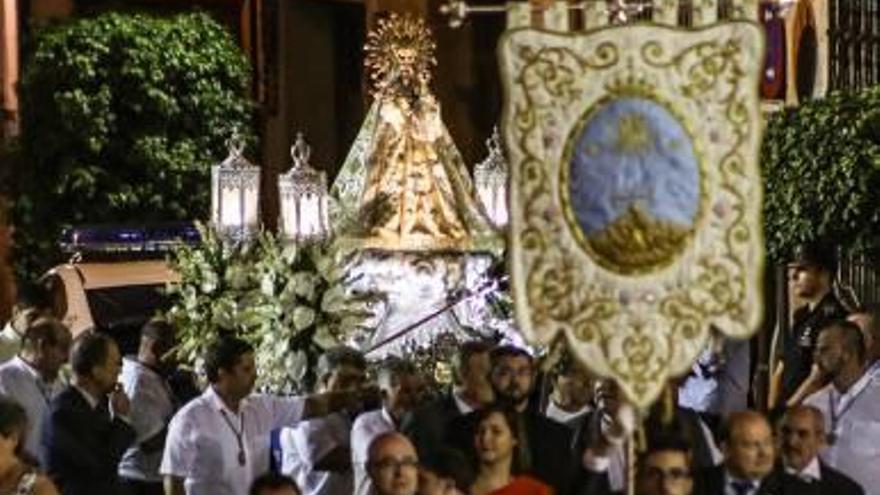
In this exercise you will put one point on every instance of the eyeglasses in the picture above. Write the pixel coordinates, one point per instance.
(658, 474)
(395, 464)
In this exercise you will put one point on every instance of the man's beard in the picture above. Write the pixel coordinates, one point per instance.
(510, 398)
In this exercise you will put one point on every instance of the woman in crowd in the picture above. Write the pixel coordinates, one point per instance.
(501, 455)
(445, 472)
(17, 477)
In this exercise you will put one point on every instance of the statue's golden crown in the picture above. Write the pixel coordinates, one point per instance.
(387, 43)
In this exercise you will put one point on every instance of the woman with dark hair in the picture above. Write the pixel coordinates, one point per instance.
(16, 476)
(502, 456)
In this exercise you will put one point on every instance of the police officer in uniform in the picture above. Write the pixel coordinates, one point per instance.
(812, 272)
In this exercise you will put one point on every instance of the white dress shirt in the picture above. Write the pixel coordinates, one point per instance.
(856, 449)
(203, 448)
(729, 485)
(305, 444)
(22, 383)
(811, 472)
(367, 426)
(460, 404)
(560, 415)
(152, 407)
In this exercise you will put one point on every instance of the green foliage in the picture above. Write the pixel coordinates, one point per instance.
(122, 117)
(289, 301)
(821, 164)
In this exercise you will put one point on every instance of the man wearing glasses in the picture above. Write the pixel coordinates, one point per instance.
(392, 465)
(665, 468)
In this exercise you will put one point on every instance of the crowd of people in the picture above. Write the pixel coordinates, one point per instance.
(78, 418)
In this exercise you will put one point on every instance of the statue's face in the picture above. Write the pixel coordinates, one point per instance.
(406, 63)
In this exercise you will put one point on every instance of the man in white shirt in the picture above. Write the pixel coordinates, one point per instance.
(31, 378)
(400, 384)
(317, 453)
(868, 321)
(144, 380)
(32, 302)
(850, 404)
(219, 442)
(802, 436)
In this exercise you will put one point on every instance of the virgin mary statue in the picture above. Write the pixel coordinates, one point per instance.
(404, 176)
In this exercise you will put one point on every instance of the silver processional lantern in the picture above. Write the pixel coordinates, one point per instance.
(235, 194)
(304, 198)
(490, 182)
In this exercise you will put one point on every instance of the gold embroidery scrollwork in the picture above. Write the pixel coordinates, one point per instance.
(551, 286)
(558, 70)
(703, 63)
(635, 327)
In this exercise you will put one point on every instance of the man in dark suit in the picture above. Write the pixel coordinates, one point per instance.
(749, 466)
(802, 436)
(665, 468)
(86, 431)
(427, 426)
(548, 443)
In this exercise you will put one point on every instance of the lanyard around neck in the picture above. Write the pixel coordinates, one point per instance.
(239, 435)
(854, 393)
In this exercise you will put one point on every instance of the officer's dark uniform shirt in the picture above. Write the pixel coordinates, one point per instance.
(801, 341)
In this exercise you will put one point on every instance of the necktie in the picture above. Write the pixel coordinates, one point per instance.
(741, 487)
(103, 409)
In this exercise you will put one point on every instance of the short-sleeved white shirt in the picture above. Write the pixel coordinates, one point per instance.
(306, 443)
(152, 405)
(202, 447)
(367, 426)
(23, 384)
(856, 451)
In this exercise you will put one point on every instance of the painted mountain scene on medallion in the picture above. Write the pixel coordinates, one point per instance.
(634, 185)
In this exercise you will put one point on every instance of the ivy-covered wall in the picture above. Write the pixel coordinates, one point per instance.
(122, 117)
(821, 163)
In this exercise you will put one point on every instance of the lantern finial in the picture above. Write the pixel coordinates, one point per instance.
(235, 143)
(304, 198)
(235, 192)
(490, 181)
(300, 152)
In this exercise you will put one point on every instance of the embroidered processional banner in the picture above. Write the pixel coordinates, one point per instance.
(635, 193)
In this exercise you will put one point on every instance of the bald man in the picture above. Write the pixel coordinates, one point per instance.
(801, 437)
(392, 465)
(850, 404)
(868, 322)
(749, 457)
